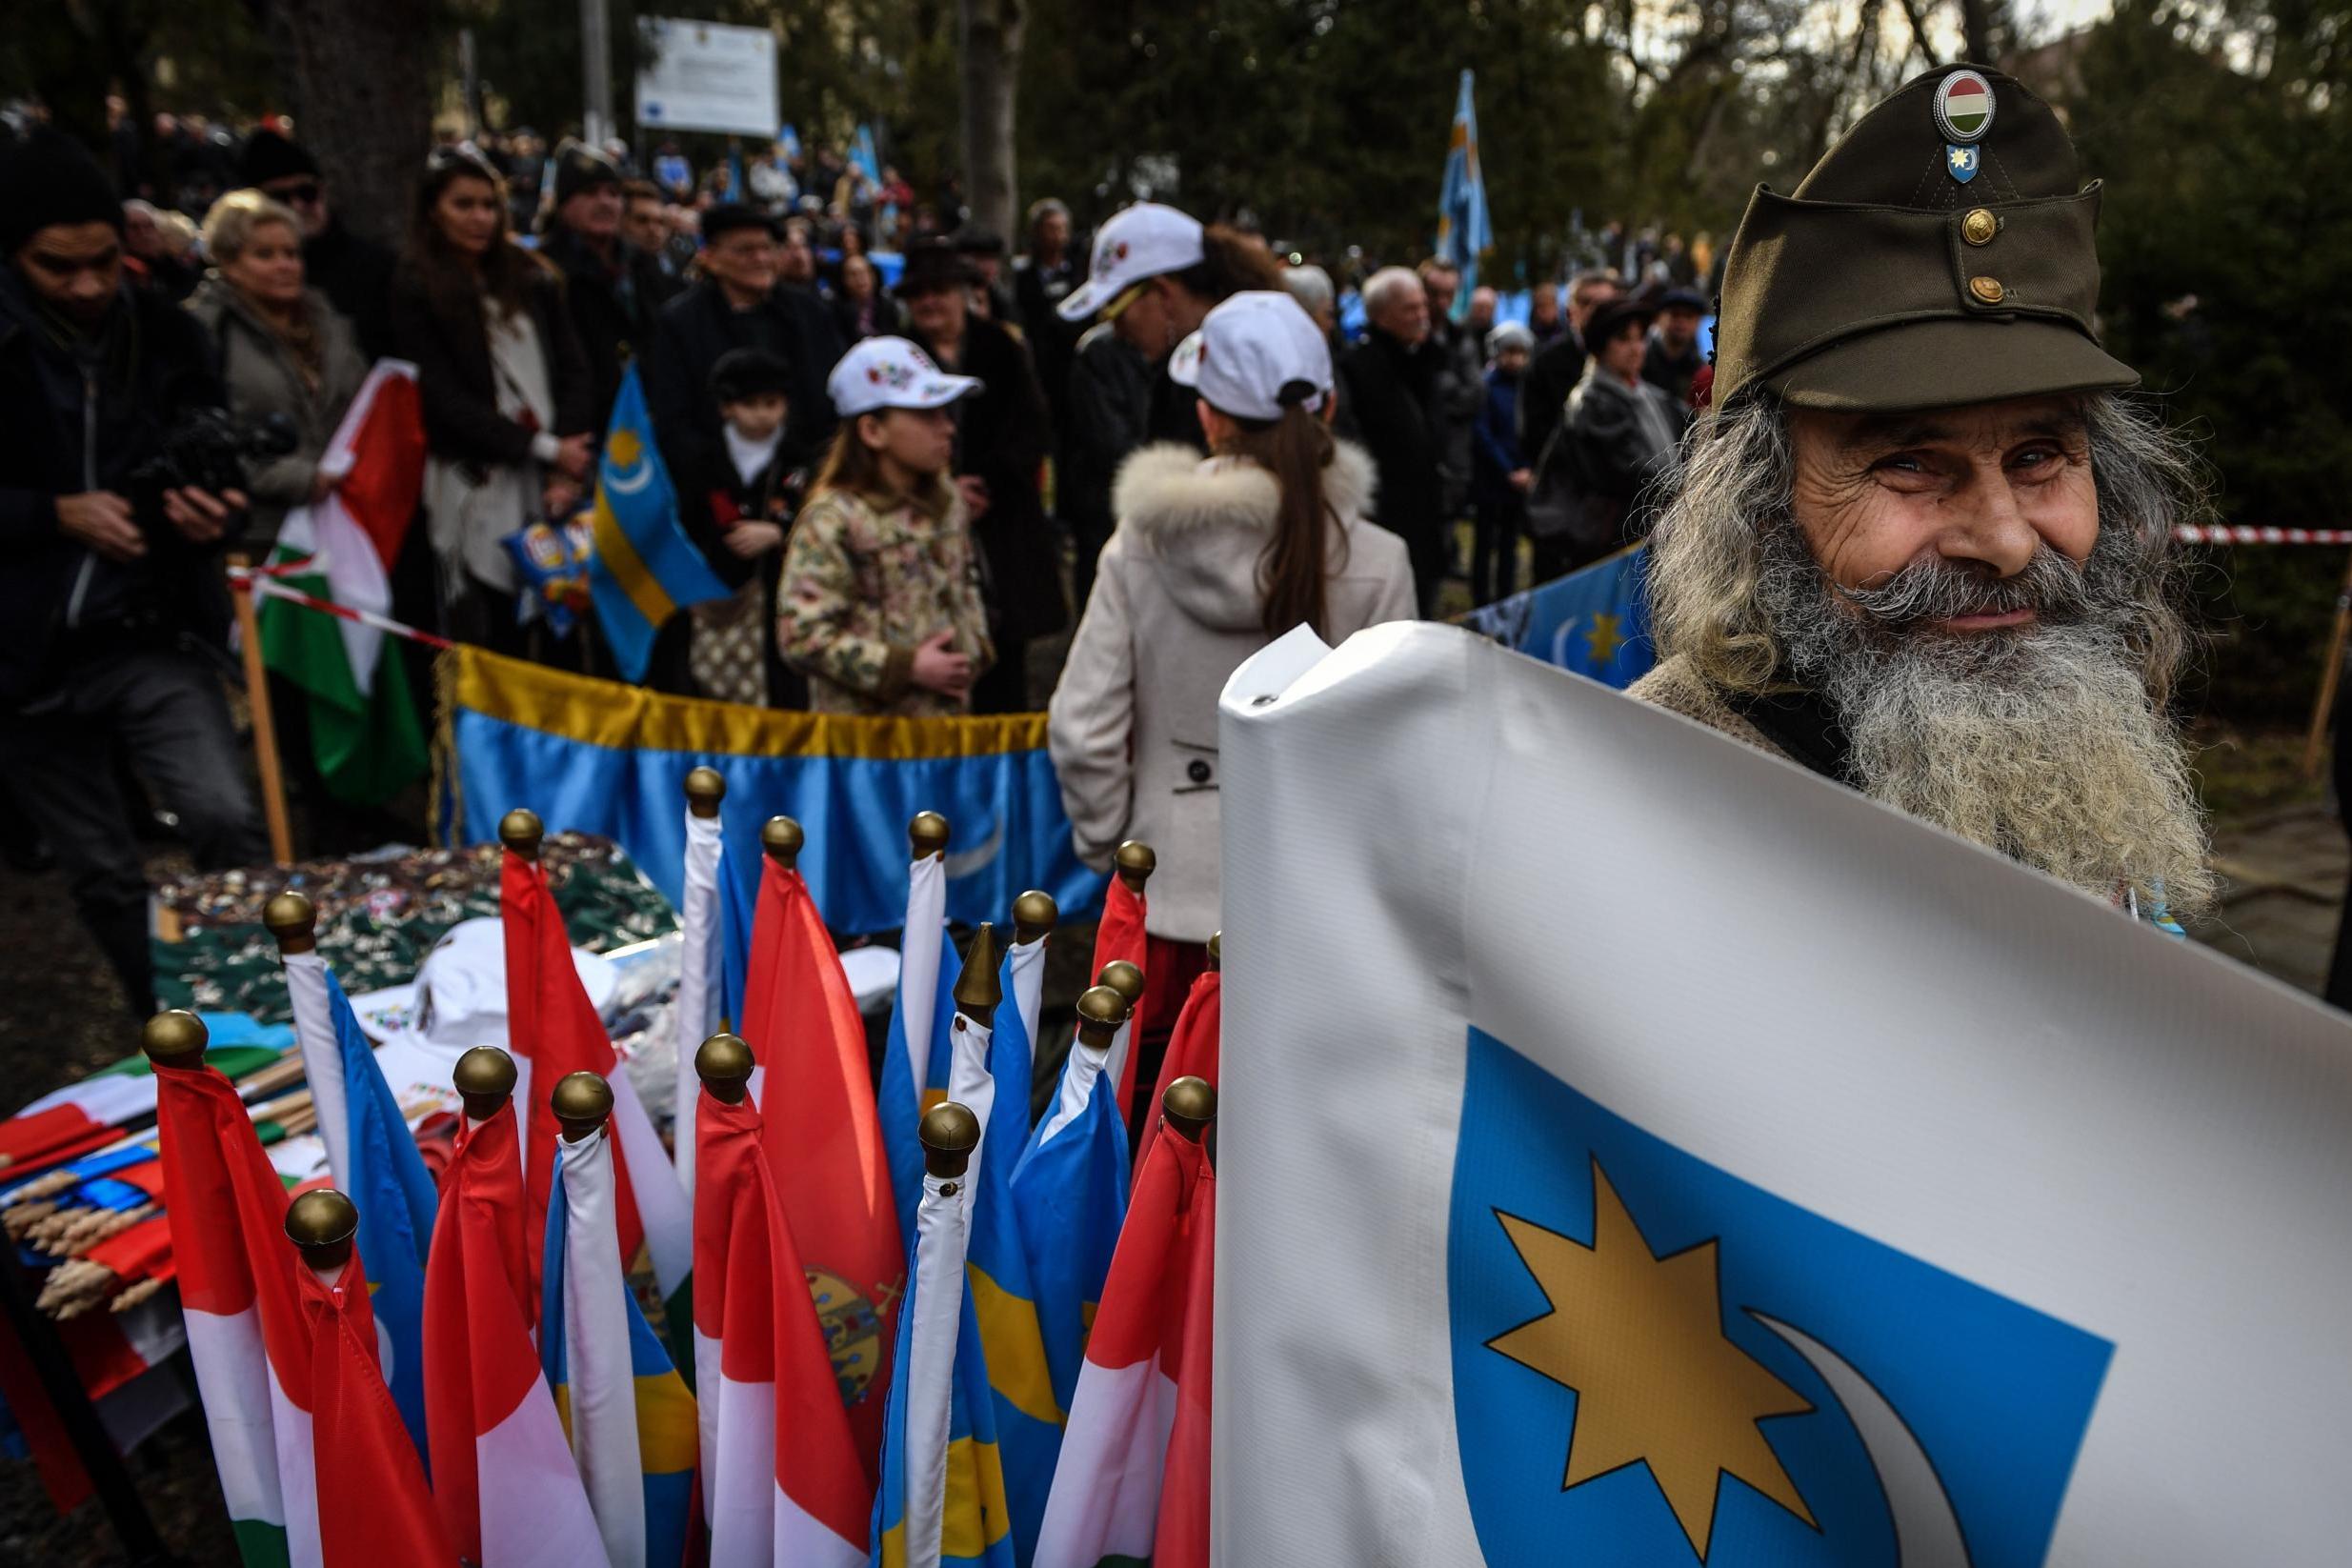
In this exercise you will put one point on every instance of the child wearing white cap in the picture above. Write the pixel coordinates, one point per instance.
(1210, 561)
(880, 600)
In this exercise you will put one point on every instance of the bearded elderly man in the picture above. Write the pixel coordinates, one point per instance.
(1922, 542)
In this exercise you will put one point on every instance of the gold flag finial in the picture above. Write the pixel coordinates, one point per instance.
(1035, 915)
(1136, 862)
(521, 830)
(949, 1134)
(176, 1039)
(1101, 1010)
(1189, 1106)
(1125, 978)
(293, 921)
(705, 789)
(781, 837)
(582, 1101)
(484, 1078)
(723, 1063)
(321, 1223)
(979, 989)
(927, 835)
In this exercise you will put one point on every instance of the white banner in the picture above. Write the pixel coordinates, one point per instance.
(706, 76)
(1638, 1149)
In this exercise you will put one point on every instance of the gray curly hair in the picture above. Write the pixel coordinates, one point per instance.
(1709, 556)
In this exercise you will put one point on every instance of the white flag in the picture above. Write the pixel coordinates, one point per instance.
(1637, 1149)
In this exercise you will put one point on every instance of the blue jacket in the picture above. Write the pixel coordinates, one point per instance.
(1495, 440)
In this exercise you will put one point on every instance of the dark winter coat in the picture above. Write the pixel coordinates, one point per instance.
(356, 274)
(1543, 392)
(1395, 389)
(1497, 451)
(1622, 439)
(1001, 436)
(612, 308)
(691, 334)
(160, 367)
(454, 380)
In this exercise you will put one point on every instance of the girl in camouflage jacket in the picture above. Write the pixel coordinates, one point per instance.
(880, 600)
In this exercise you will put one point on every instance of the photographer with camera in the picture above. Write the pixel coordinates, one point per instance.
(113, 511)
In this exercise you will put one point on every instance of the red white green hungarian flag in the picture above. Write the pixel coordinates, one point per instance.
(237, 1293)
(1967, 103)
(1132, 1486)
(364, 730)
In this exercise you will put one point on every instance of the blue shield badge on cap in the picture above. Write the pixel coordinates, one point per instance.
(1961, 162)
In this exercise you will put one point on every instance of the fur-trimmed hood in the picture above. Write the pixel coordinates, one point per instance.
(1203, 524)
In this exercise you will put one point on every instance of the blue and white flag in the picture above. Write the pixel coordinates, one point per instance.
(371, 1158)
(1680, 1158)
(1594, 621)
(1463, 231)
(645, 569)
(1070, 1190)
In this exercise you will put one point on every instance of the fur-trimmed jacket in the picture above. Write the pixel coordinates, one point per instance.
(1177, 608)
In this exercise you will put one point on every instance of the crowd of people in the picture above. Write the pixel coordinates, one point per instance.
(908, 484)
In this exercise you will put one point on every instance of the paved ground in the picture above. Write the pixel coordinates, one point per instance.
(2284, 884)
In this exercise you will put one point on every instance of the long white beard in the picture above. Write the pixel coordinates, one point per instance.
(2041, 743)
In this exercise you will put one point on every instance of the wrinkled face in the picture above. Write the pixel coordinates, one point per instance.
(645, 224)
(937, 312)
(74, 268)
(742, 259)
(755, 418)
(1404, 315)
(922, 441)
(307, 195)
(1678, 328)
(1622, 355)
(268, 269)
(1982, 488)
(467, 215)
(594, 213)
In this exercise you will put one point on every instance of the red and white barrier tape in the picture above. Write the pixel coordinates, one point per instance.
(2227, 533)
(263, 581)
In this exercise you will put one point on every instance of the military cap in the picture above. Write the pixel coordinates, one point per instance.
(1941, 253)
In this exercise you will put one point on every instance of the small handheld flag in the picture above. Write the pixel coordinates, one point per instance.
(645, 569)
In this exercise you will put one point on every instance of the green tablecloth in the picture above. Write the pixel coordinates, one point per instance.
(378, 916)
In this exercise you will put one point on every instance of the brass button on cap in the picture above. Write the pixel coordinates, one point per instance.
(1988, 289)
(1979, 227)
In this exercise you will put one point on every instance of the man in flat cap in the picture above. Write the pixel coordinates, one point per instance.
(1922, 541)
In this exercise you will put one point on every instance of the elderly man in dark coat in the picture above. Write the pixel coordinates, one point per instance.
(1392, 381)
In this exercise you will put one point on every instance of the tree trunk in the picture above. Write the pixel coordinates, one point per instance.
(990, 31)
(360, 74)
(1984, 31)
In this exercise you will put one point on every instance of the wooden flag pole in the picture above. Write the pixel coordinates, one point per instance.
(2328, 678)
(258, 697)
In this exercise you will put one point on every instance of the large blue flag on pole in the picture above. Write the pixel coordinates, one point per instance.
(645, 569)
(1463, 233)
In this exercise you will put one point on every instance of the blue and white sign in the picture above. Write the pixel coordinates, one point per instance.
(706, 76)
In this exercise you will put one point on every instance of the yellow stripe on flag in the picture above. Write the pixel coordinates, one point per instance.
(669, 1433)
(604, 713)
(976, 1515)
(1016, 1347)
(618, 555)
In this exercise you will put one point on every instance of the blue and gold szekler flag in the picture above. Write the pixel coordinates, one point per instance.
(1663, 1363)
(1594, 621)
(645, 569)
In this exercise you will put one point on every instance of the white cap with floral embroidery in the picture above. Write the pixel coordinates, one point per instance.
(890, 373)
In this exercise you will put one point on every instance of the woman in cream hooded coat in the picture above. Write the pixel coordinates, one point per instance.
(1212, 560)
